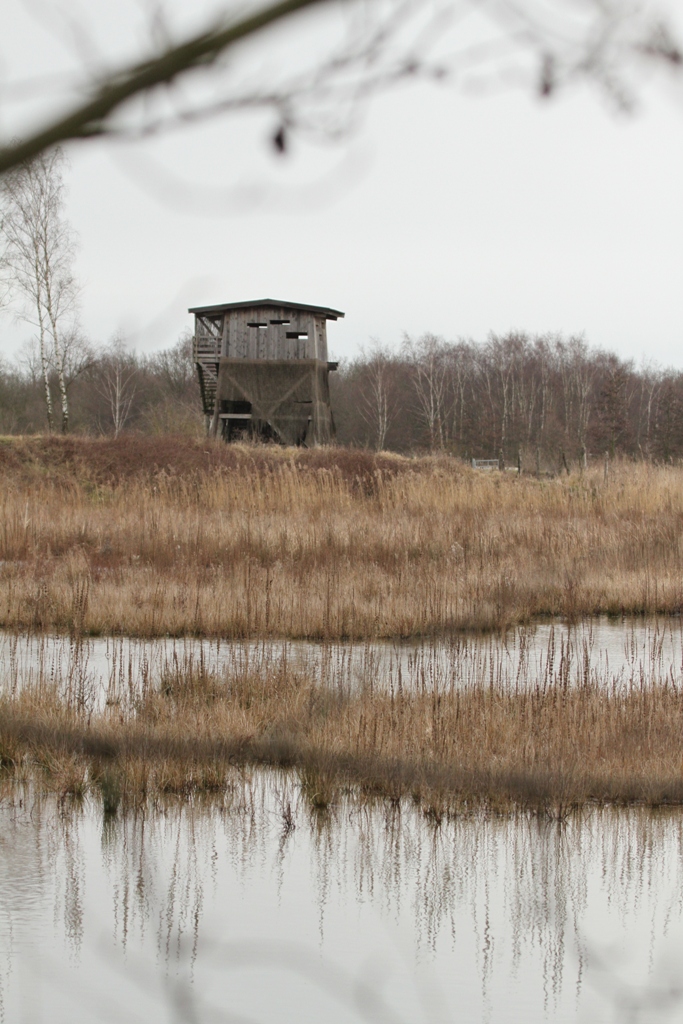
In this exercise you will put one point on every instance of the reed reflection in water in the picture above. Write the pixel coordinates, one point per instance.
(258, 908)
(603, 651)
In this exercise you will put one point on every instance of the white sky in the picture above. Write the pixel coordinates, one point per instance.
(445, 213)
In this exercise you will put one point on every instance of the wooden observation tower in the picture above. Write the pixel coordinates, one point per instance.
(263, 370)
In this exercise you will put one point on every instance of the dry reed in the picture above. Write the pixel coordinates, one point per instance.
(548, 748)
(147, 538)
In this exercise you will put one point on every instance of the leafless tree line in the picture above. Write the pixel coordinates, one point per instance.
(110, 389)
(541, 395)
(96, 389)
(544, 396)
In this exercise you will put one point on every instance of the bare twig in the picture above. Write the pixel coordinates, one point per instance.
(89, 118)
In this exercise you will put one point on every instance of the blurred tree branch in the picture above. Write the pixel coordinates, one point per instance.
(558, 41)
(89, 118)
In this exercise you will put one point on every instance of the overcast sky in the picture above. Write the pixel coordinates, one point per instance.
(446, 213)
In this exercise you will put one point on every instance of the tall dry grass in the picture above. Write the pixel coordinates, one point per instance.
(150, 538)
(504, 745)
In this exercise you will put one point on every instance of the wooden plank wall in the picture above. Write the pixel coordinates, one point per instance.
(243, 340)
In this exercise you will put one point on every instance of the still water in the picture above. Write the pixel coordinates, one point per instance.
(241, 911)
(611, 652)
(257, 908)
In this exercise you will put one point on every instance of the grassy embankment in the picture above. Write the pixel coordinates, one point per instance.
(151, 537)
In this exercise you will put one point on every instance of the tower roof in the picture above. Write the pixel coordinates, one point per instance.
(222, 307)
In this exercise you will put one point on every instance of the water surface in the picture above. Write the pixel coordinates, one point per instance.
(603, 650)
(256, 908)
(226, 912)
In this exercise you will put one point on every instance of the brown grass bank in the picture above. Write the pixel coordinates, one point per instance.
(449, 750)
(169, 536)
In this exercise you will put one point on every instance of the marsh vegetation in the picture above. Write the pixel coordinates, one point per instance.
(482, 781)
(157, 538)
(162, 537)
(444, 741)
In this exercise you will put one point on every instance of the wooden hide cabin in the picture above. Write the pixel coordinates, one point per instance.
(263, 370)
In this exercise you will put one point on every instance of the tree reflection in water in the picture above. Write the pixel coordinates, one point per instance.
(261, 905)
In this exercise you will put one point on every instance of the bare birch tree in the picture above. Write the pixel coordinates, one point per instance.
(577, 372)
(459, 370)
(39, 250)
(651, 378)
(117, 384)
(429, 365)
(378, 406)
(4, 270)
